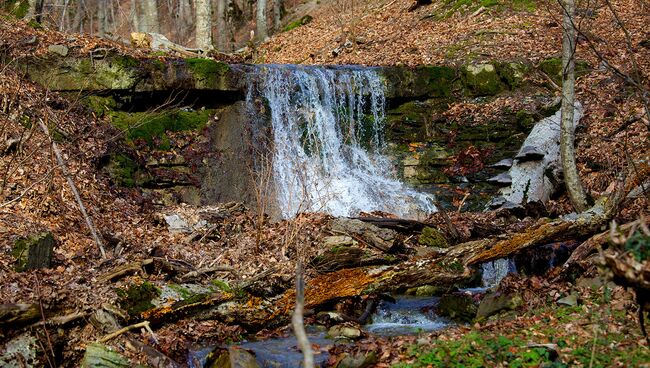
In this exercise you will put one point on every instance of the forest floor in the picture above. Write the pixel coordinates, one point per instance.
(601, 330)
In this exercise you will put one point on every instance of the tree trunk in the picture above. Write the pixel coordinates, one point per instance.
(567, 137)
(277, 15)
(203, 25)
(148, 19)
(102, 18)
(222, 25)
(261, 20)
(35, 10)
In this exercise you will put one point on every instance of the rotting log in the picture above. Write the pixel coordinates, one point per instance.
(13, 315)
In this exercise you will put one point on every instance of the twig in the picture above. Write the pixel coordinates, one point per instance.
(66, 173)
(207, 271)
(112, 335)
(61, 320)
(297, 319)
(47, 334)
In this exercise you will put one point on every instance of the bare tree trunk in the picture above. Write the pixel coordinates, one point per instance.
(277, 15)
(203, 24)
(35, 10)
(135, 9)
(102, 18)
(262, 31)
(149, 18)
(567, 137)
(222, 25)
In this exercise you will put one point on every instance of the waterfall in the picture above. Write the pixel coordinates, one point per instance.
(328, 141)
(495, 271)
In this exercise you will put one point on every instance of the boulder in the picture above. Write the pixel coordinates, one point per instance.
(100, 356)
(357, 360)
(459, 307)
(482, 79)
(494, 303)
(34, 251)
(61, 50)
(349, 330)
(21, 352)
(235, 357)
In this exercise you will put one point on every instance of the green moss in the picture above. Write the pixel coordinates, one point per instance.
(137, 298)
(206, 69)
(153, 127)
(297, 23)
(222, 285)
(431, 237)
(183, 292)
(100, 105)
(553, 68)
(125, 61)
(34, 24)
(482, 80)
(512, 73)
(126, 172)
(437, 79)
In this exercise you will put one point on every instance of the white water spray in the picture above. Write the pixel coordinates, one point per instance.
(328, 142)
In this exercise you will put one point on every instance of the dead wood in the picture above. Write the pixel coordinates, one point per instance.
(124, 270)
(397, 224)
(18, 314)
(154, 357)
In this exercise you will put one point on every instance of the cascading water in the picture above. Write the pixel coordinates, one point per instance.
(328, 141)
(495, 271)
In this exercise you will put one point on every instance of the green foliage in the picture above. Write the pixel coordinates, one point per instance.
(137, 298)
(297, 23)
(639, 246)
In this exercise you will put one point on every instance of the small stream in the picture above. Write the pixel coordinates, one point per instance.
(407, 316)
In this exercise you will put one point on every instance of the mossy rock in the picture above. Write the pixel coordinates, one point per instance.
(297, 23)
(153, 127)
(100, 356)
(513, 74)
(482, 80)
(553, 68)
(432, 237)
(208, 73)
(126, 172)
(459, 307)
(436, 80)
(136, 299)
(100, 105)
(33, 252)
(115, 72)
(425, 290)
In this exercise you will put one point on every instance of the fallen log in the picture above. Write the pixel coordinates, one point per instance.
(12, 315)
